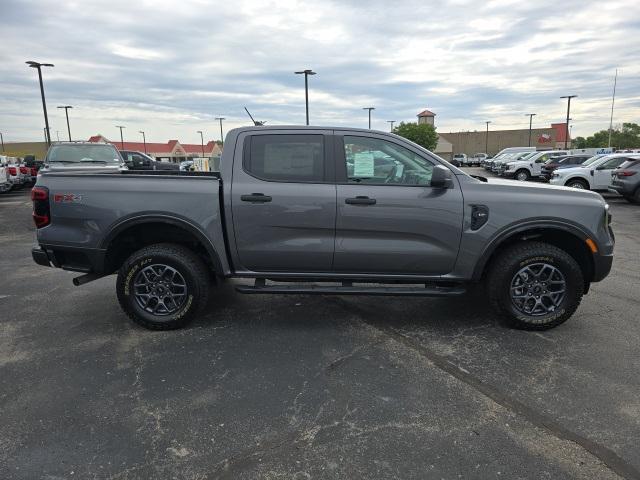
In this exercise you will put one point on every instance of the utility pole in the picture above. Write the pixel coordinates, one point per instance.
(38, 66)
(144, 140)
(566, 133)
(391, 122)
(530, 115)
(486, 140)
(369, 108)
(2, 141)
(306, 73)
(613, 100)
(121, 137)
(66, 111)
(201, 141)
(221, 135)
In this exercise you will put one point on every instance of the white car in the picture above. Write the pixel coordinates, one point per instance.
(500, 165)
(460, 159)
(531, 165)
(479, 158)
(593, 174)
(17, 177)
(5, 182)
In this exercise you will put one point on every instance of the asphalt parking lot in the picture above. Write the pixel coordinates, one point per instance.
(301, 387)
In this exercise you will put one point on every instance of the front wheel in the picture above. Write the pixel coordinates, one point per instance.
(577, 183)
(162, 286)
(522, 175)
(535, 285)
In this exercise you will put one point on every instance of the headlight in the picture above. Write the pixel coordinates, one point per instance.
(555, 175)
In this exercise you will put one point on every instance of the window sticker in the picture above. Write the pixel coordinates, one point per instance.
(363, 164)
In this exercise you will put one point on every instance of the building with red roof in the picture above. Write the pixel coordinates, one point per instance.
(172, 151)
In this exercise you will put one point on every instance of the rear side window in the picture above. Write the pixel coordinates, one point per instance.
(286, 158)
(629, 163)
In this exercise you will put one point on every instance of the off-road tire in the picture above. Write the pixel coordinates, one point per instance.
(508, 262)
(184, 261)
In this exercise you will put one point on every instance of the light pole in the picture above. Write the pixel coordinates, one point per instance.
(144, 140)
(306, 73)
(201, 141)
(566, 133)
(221, 135)
(66, 112)
(369, 108)
(2, 141)
(391, 122)
(486, 140)
(38, 65)
(613, 101)
(121, 137)
(530, 115)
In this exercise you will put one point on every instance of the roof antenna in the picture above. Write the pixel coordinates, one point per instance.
(255, 123)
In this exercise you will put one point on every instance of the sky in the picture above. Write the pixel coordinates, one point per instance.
(170, 68)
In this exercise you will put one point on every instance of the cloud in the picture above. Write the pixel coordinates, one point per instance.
(170, 68)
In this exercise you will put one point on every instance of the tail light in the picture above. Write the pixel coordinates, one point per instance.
(24, 170)
(34, 172)
(625, 173)
(13, 171)
(41, 212)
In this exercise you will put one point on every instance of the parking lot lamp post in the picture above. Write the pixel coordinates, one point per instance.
(530, 115)
(201, 142)
(566, 133)
(121, 137)
(369, 108)
(38, 65)
(486, 139)
(306, 73)
(66, 112)
(221, 134)
(2, 141)
(391, 122)
(144, 140)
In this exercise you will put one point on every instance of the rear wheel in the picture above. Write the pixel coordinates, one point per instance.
(535, 286)
(162, 287)
(522, 175)
(577, 183)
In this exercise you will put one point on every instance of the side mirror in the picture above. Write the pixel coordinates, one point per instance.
(441, 177)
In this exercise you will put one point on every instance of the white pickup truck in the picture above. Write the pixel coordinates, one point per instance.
(531, 165)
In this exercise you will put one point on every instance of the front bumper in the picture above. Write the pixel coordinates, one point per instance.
(601, 266)
(622, 188)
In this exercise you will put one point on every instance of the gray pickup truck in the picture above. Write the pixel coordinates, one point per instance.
(310, 210)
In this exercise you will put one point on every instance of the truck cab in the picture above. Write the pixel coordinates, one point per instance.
(530, 166)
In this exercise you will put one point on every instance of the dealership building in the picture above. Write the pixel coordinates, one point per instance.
(548, 138)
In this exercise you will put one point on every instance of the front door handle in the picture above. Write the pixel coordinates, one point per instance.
(256, 198)
(360, 201)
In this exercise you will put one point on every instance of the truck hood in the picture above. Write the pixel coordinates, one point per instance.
(540, 188)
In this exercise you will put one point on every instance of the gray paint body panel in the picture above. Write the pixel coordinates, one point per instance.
(412, 232)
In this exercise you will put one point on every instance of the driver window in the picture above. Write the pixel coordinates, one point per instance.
(376, 161)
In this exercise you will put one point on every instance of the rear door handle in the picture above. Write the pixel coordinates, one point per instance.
(256, 198)
(360, 201)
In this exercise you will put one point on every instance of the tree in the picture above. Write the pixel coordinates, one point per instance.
(627, 136)
(423, 134)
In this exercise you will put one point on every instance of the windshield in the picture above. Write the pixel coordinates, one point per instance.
(591, 160)
(83, 153)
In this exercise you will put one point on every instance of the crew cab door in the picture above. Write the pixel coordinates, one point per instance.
(536, 165)
(390, 220)
(601, 175)
(283, 198)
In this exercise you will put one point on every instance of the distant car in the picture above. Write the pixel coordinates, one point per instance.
(17, 177)
(5, 182)
(141, 161)
(479, 158)
(531, 165)
(83, 156)
(461, 158)
(499, 166)
(562, 162)
(594, 174)
(626, 180)
(186, 165)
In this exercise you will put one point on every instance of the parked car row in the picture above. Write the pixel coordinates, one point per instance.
(17, 172)
(462, 160)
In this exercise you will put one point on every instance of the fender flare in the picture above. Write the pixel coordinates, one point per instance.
(512, 230)
(176, 221)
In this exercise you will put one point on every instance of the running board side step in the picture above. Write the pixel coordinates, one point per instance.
(348, 289)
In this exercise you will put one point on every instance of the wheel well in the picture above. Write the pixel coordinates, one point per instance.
(570, 243)
(579, 179)
(140, 235)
